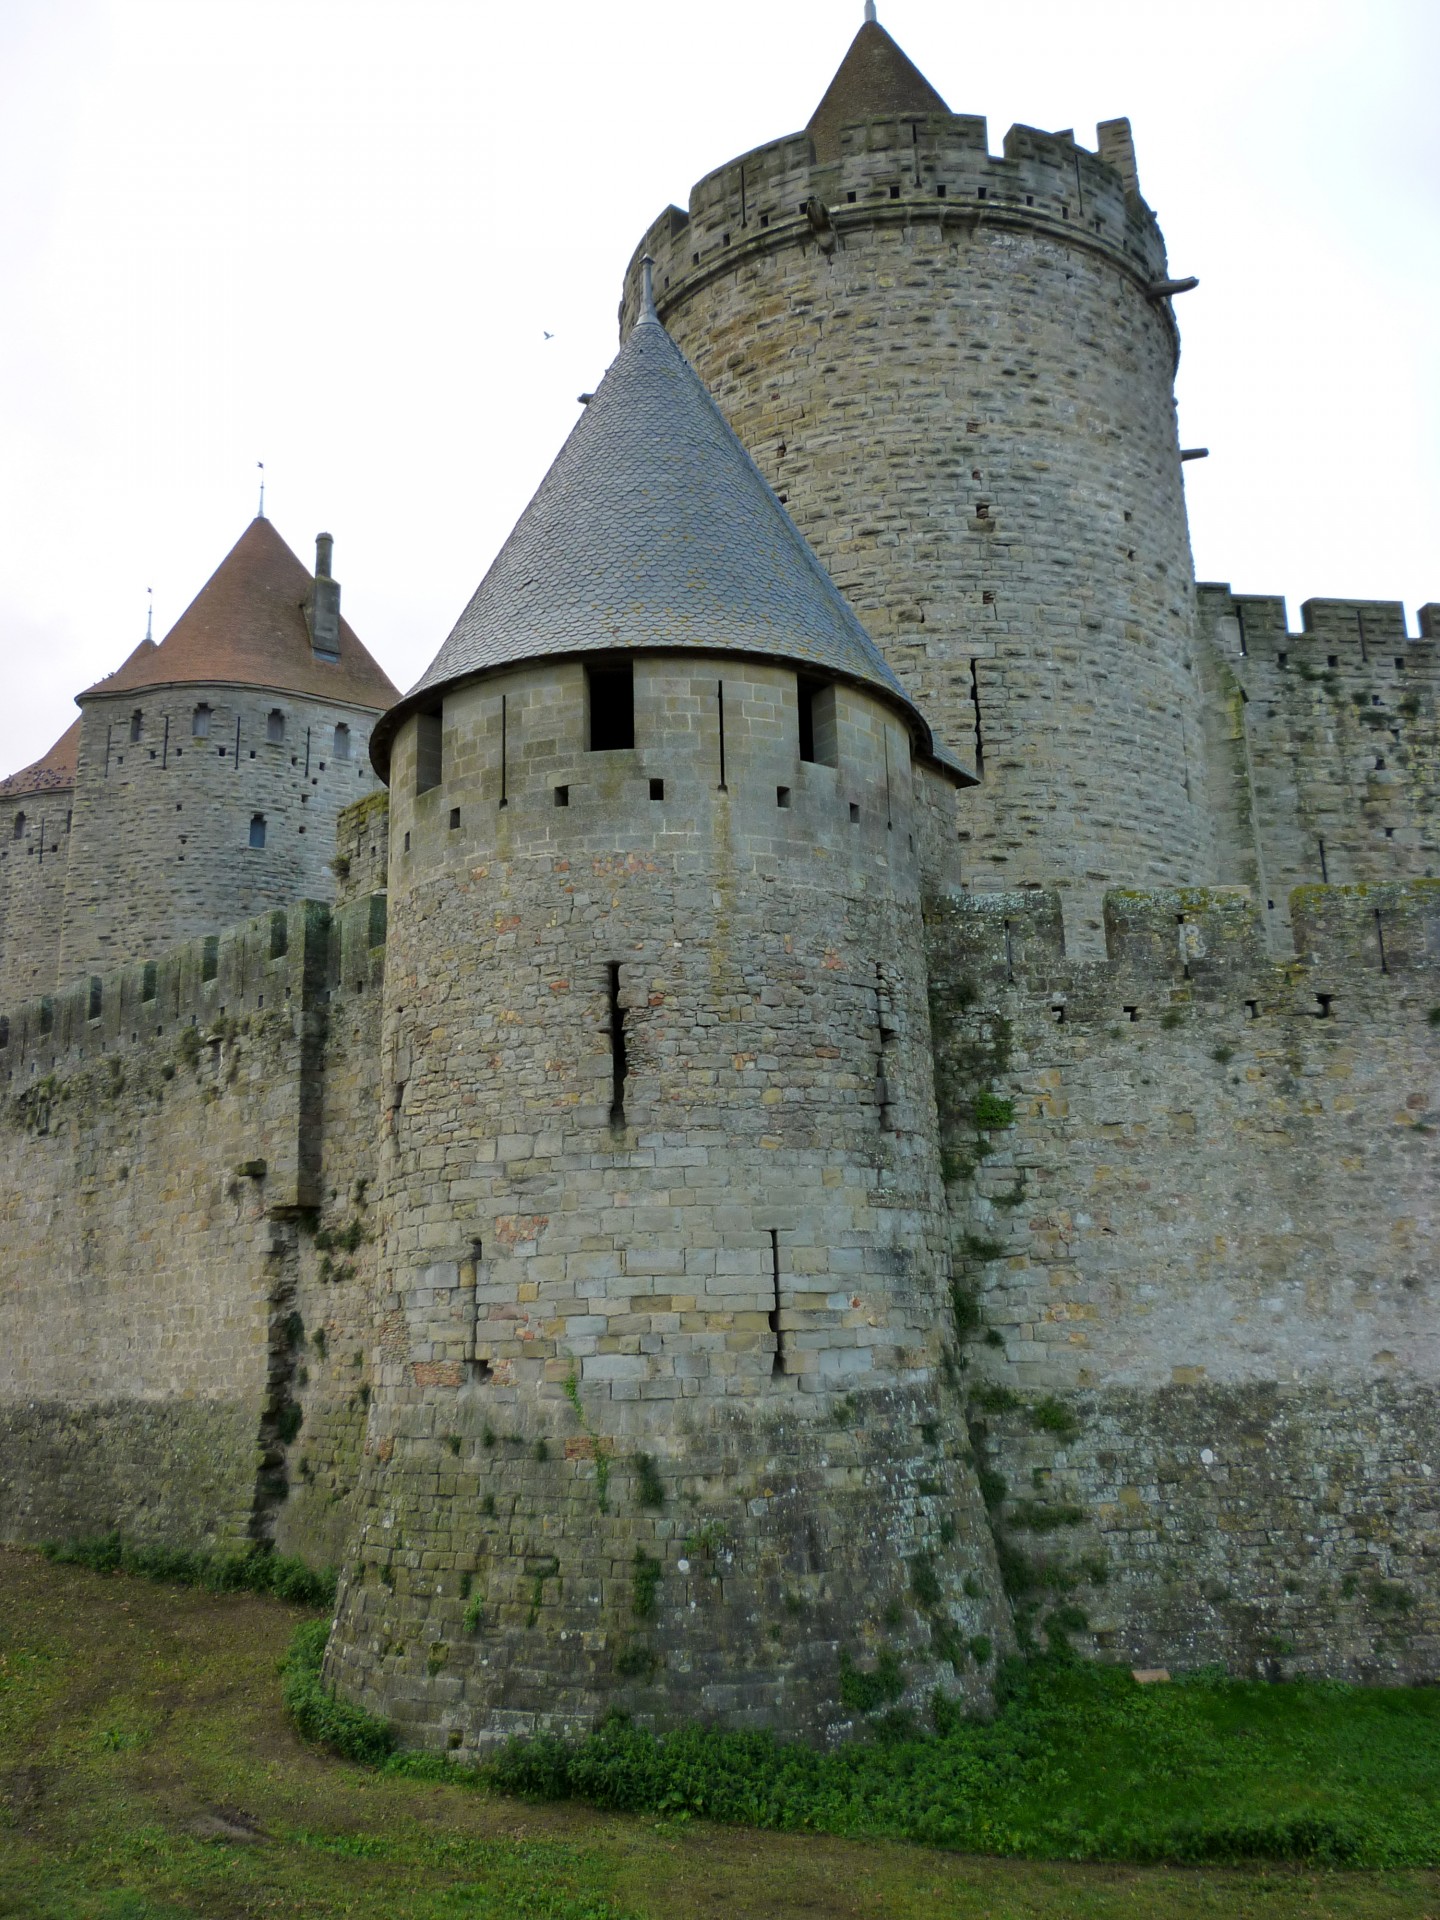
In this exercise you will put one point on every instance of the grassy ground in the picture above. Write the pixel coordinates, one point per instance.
(148, 1772)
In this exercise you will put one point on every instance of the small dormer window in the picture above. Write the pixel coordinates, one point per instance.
(275, 727)
(200, 722)
(342, 742)
(137, 722)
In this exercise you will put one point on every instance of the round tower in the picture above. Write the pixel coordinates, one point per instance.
(212, 766)
(36, 805)
(660, 1412)
(957, 372)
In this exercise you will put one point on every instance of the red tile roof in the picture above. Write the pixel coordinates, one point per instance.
(55, 769)
(246, 628)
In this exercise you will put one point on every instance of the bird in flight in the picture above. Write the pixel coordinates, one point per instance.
(548, 336)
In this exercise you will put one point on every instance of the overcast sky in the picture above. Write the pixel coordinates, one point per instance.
(332, 235)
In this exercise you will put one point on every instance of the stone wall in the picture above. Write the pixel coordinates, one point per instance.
(161, 849)
(34, 855)
(661, 1418)
(171, 1137)
(950, 368)
(1324, 751)
(1194, 1195)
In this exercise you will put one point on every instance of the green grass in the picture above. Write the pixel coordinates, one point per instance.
(148, 1771)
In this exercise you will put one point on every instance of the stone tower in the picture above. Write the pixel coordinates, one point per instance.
(212, 767)
(956, 370)
(664, 1414)
(36, 806)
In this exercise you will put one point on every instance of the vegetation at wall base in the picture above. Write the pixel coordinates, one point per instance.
(1081, 1763)
(258, 1571)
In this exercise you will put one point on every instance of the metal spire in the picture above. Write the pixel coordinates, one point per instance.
(261, 512)
(870, 13)
(150, 613)
(647, 290)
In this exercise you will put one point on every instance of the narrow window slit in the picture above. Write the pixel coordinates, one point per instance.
(720, 715)
(979, 732)
(778, 1364)
(504, 756)
(1380, 941)
(1324, 866)
(618, 1063)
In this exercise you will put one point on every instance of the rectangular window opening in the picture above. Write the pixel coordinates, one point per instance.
(149, 983)
(1132, 1013)
(1252, 1009)
(619, 1066)
(97, 998)
(1324, 1006)
(279, 934)
(562, 796)
(612, 707)
(429, 749)
(854, 814)
(782, 796)
(454, 818)
(819, 732)
(210, 958)
(657, 789)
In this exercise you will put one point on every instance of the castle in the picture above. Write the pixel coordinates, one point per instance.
(860, 1089)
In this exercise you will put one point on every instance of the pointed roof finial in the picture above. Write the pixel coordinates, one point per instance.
(150, 614)
(260, 515)
(870, 13)
(647, 290)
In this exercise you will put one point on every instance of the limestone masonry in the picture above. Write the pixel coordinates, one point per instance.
(862, 1090)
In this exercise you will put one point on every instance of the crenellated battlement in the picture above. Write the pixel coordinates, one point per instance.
(935, 169)
(284, 962)
(1362, 633)
(1184, 944)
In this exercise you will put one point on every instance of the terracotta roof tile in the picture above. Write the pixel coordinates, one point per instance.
(874, 78)
(246, 628)
(53, 770)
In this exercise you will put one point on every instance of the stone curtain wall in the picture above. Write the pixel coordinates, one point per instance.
(161, 847)
(1324, 750)
(661, 1418)
(162, 1131)
(1201, 1255)
(966, 403)
(33, 866)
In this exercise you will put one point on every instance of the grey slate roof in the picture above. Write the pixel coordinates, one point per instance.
(654, 529)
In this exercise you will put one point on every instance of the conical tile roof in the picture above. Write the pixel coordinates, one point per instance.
(246, 628)
(53, 770)
(875, 78)
(653, 529)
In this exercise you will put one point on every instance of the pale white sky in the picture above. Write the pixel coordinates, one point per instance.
(331, 234)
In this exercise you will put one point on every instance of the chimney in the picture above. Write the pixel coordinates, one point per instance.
(325, 603)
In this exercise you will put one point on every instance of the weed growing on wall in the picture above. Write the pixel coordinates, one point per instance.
(258, 1571)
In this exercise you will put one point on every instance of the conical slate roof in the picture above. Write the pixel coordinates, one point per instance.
(875, 77)
(246, 628)
(53, 770)
(653, 529)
